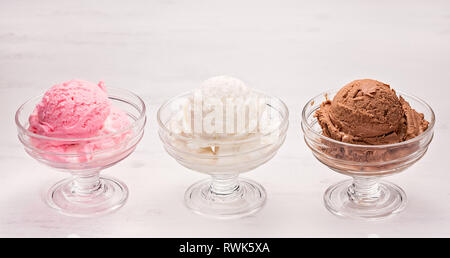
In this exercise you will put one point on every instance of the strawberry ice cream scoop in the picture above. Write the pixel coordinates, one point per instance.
(73, 109)
(83, 151)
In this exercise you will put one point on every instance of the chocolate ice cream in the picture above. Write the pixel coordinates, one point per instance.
(369, 112)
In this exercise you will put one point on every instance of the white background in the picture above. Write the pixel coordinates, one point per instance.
(292, 49)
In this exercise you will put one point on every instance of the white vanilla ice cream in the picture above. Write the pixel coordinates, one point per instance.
(221, 114)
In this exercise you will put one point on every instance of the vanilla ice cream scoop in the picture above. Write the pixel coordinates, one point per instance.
(222, 107)
(221, 113)
(223, 87)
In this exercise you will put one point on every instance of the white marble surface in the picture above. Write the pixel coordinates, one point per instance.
(294, 49)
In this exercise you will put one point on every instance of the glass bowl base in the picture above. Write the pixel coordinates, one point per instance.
(248, 198)
(110, 195)
(391, 200)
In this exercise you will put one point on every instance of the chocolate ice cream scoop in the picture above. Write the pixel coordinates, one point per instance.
(415, 123)
(369, 112)
(367, 131)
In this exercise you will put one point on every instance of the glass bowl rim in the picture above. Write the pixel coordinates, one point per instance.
(142, 116)
(429, 130)
(282, 125)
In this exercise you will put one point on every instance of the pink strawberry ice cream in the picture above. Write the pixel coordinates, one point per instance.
(77, 109)
(73, 109)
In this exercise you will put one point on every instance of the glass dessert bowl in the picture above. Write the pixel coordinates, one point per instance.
(86, 194)
(225, 195)
(366, 196)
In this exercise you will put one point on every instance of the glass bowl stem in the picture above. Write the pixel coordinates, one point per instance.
(86, 184)
(224, 184)
(364, 190)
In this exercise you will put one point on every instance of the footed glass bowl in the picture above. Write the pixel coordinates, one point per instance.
(224, 195)
(365, 196)
(86, 194)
